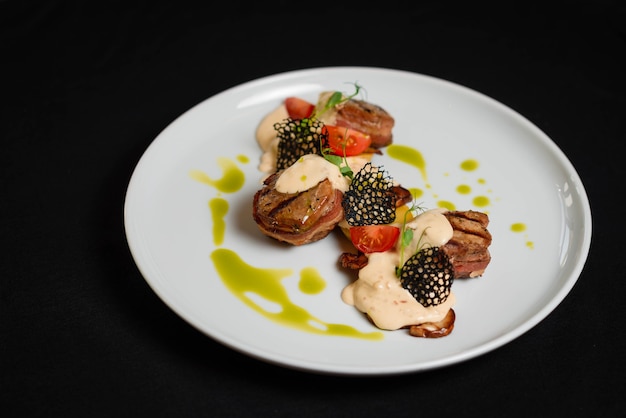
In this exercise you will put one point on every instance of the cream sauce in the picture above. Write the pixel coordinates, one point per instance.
(267, 138)
(378, 291)
(265, 132)
(307, 172)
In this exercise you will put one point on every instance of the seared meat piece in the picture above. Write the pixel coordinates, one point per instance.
(368, 118)
(468, 248)
(434, 329)
(297, 218)
(353, 261)
(401, 195)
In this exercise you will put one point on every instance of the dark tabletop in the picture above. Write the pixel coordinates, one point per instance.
(84, 91)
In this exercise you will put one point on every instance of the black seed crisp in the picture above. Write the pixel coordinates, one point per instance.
(369, 201)
(428, 276)
(299, 137)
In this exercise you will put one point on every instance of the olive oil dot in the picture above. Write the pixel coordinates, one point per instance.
(445, 204)
(219, 209)
(481, 181)
(311, 282)
(469, 165)
(415, 192)
(232, 177)
(408, 155)
(464, 189)
(530, 244)
(243, 159)
(518, 227)
(481, 201)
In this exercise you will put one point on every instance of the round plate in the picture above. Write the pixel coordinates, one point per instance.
(474, 153)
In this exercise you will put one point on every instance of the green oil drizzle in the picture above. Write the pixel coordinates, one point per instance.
(446, 204)
(243, 159)
(469, 165)
(463, 189)
(219, 209)
(481, 201)
(410, 156)
(415, 192)
(242, 279)
(518, 227)
(311, 282)
(232, 177)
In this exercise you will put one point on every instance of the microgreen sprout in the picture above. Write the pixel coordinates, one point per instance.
(406, 234)
(338, 98)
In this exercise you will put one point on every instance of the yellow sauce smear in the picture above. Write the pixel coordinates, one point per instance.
(243, 280)
(410, 156)
(219, 209)
(232, 178)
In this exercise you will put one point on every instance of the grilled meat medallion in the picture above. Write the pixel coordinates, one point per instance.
(367, 118)
(297, 218)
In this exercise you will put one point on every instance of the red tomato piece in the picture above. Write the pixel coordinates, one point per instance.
(298, 108)
(350, 141)
(374, 238)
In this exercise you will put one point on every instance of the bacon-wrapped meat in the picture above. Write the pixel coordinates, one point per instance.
(297, 218)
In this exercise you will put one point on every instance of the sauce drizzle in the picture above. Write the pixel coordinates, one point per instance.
(243, 280)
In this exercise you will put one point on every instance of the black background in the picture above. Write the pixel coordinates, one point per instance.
(83, 92)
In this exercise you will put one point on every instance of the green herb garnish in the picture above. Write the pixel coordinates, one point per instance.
(406, 234)
(337, 98)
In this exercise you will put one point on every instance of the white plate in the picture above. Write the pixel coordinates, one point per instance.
(522, 173)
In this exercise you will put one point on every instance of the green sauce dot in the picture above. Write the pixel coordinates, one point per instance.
(481, 201)
(446, 204)
(469, 165)
(311, 282)
(416, 192)
(232, 177)
(518, 227)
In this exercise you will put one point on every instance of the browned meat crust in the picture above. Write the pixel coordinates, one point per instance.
(434, 329)
(468, 249)
(402, 195)
(297, 218)
(367, 118)
(353, 261)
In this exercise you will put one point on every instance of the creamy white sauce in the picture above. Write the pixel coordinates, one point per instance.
(267, 138)
(329, 116)
(378, 291)
(307, 172)
(265, 132)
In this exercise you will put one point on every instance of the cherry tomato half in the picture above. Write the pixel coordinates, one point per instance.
(298, 108)
(341, 139)
(374, 238)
